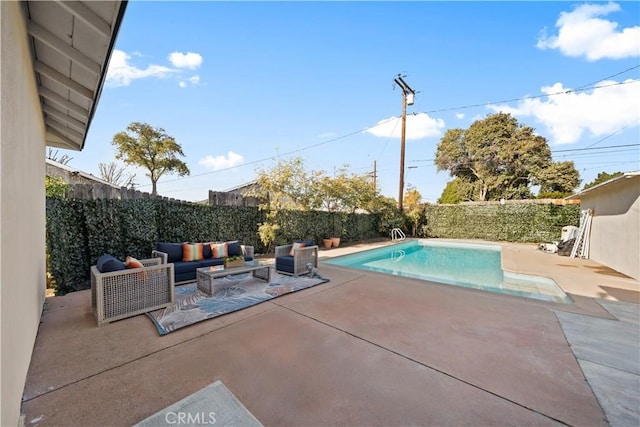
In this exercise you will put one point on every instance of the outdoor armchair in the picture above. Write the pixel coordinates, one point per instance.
(294, 261)
(120, 294)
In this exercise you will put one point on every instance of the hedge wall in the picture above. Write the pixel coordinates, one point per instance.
(79, 231)
(511, 222)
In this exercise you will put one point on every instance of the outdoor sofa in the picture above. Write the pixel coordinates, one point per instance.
(293, 259)
(118, 292)
(187, 257)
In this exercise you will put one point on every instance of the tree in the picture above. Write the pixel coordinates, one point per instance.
(413, 208)
(53, 155)
(497, 157)
(456, 191)
(558, 180)
(152, 149)
(115, 174)
(602, 177)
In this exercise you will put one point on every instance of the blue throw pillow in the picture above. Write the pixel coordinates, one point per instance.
(173, 250)
(107, 263)
(233, 248)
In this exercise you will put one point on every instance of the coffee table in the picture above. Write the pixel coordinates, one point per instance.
(205, 276)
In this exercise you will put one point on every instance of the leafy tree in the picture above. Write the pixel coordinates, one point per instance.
(602, 177)
(115, 174)
(152, 149)
(54, 186)
(457, 190)
(497, 157)
(558, 180)
(413, 208)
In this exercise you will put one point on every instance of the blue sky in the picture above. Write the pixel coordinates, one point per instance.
(241, 85)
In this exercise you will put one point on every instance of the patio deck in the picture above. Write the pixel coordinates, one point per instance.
(364, 349)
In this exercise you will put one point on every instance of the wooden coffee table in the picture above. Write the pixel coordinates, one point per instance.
(205, 276)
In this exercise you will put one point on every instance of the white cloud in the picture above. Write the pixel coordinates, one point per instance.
(221, 162)
(604, 110)
(418, 126)
(182, 84)
(460, 116)
(188, 60)
(122, 73)
(582, 33)
(194, 80)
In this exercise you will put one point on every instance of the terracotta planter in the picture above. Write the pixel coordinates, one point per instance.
(327, 243)
(335, 242)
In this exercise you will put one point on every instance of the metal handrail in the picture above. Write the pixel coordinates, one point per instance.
(397, 234)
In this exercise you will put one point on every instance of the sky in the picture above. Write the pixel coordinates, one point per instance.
(243, 85)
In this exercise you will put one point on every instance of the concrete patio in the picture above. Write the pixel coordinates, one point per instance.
(364, 349)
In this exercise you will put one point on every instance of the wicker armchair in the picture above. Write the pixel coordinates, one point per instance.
(295, 264)
(121, 294)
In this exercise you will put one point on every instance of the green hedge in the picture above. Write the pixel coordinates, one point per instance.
(79, 231)
(510, 222)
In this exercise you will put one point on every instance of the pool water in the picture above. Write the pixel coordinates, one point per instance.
(461, 264)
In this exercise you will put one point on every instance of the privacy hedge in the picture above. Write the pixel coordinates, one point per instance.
(511, 222)
(79, 231)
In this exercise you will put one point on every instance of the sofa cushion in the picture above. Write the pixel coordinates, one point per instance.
(206, 250)
(173, 250)
(211, 261)
(219, 250)
(192, 252)
(107, 263)
(180, 267)
(233, 248)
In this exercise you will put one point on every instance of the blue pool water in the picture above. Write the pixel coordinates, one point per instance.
(461, 264)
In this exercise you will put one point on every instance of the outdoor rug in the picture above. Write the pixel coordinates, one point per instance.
(232, 293)
(214, 404)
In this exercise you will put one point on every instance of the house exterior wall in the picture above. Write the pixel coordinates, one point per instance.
(22, 210)
(615, 227)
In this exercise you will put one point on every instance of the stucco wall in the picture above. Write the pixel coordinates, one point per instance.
(22, 210)
(615, 228)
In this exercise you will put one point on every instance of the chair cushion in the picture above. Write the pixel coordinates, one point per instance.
(284, 263)
(131, 262)
(173, 251)
(233, 247)
(107, 263)
(294, 246)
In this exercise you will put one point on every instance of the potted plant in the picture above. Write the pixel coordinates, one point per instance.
(327, 243)
(234, 261)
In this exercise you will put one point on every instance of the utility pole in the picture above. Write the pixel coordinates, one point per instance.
(408, 95)
(375, 175)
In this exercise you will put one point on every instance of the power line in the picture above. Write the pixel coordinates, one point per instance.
(382, 122)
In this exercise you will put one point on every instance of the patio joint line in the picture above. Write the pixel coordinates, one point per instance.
(425, 365)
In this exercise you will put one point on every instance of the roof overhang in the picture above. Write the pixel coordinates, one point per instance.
(71, 44)
(604, 185)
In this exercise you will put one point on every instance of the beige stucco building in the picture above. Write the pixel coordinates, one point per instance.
(615, 225)
(53, 61)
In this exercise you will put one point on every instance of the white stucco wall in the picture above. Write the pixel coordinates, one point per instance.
(615, 228)
(22, 210)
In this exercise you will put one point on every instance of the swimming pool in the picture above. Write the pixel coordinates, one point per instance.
(460, 264)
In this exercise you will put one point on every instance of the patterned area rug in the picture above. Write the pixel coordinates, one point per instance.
(232, 293)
